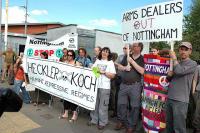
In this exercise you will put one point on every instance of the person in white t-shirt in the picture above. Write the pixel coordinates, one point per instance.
(107, 70)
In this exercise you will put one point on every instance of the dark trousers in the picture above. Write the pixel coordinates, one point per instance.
(126, 93)
(176, 112)
(69, 106)
(196, 120)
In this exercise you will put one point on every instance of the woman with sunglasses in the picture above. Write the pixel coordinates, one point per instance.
(68, 105)
(107, 70)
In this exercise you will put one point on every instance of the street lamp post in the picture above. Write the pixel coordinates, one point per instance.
(26, 8)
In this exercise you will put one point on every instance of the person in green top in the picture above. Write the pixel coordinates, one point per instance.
(9, 60)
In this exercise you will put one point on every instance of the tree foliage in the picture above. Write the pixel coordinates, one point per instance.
(192, 29)
(159, 45)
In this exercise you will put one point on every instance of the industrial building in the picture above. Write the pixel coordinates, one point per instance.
(52, 31)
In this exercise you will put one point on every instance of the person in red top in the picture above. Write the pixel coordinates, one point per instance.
(19, 79)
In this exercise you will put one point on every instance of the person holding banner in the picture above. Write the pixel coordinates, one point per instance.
(154, 51)
(19, 79)
(82, 58)
(64, 57)
(42, 97)
(179, 89)
(107, 70)
(130, 89)
(68, 105)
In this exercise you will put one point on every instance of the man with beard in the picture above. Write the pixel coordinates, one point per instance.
(179, 89)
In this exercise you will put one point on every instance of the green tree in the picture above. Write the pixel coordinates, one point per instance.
(159, 45)
(192, 29)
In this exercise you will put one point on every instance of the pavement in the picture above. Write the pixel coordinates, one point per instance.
(45, 119)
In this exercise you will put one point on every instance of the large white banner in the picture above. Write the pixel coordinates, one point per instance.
(159, 22)
(54, 48)
(75, 84)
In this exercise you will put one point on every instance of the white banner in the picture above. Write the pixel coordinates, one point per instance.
(75, 84)
(54, 48)
(159, 22)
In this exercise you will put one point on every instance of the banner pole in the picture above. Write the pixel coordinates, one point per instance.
(128, 54)
(171, 61)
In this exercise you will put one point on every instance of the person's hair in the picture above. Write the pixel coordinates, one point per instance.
(98, 48)
(73, 53)
(89, 57)
(109, 53)
(114, 56)
(82, 50)
(141, 46)
(154, 48)
(164, 52)
(45, 54)
(64, 49)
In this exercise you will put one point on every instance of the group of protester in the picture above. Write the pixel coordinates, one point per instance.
(122, 79)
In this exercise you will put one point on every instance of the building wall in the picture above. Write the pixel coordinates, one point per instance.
(31, 29)
(86, 38)
(111, 40)
(53, 34)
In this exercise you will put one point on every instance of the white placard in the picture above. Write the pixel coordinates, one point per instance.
(159, 22)
(35, 47)
(75, 84)
(54, 48)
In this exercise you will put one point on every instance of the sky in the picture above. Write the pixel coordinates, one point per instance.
(90, 14)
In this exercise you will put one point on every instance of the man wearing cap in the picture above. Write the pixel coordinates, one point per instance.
(179, 89)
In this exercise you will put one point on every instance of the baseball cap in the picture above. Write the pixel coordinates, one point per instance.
(186, 44)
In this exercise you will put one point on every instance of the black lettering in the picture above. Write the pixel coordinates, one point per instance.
(178, 4)
(160, 10)
(43, 69)
(33, 68)
(92, 99)
(149, 11)
(172, 5)
(56, 73)
(155, 11)
(72, 79)
(38, 70)
(86, 82)
(81, 77)
(93, 83)
(167, 9)
(144, 13)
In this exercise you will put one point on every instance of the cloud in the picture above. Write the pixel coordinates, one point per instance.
(103, 22)
(16, 14)
(86, 27)
(39, 12)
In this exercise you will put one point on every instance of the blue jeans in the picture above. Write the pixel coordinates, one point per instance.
(25, 94)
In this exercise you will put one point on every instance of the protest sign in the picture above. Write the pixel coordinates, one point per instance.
(72, 83)
(35, 47)
(155, 93)
(159, 22)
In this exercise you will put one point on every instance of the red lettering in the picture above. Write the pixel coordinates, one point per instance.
(51, 52)
(38, 52)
